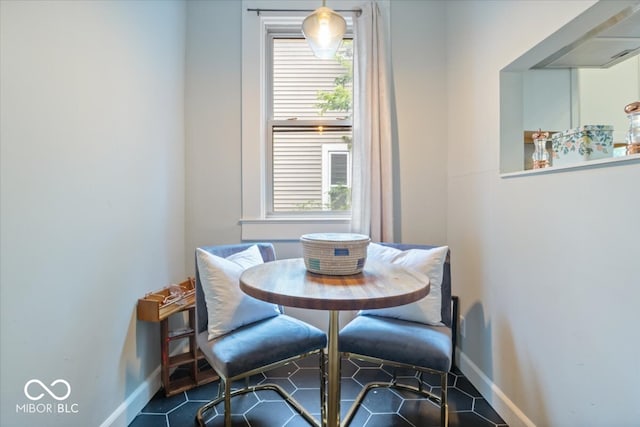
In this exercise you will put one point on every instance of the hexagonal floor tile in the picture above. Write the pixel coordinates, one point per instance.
(367, 375)
(306, 378)
(160, 404)
(382, 401)
(269, 414)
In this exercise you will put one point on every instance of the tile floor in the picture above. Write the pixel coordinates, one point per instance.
(381, 408)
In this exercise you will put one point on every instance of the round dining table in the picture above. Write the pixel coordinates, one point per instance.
(287, 282)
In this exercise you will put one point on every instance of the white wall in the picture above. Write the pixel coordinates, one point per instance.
(92, 199)
(545, 265)
(418, 53)
(212, 123)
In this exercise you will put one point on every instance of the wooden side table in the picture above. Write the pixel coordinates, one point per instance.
(198, 370)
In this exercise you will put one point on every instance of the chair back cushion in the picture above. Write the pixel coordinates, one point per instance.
(433, 261)
(220, 304)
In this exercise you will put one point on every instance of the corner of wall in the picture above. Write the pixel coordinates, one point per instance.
(133, 404)
(505, 407)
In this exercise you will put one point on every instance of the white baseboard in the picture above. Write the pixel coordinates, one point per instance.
(499, 401)
(133, 404)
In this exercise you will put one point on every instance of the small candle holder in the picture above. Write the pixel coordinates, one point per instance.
(540, 154)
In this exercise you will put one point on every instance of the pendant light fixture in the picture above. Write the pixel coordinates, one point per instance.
(323, 30)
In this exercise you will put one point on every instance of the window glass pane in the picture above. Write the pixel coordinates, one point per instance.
(297, 168)
(338, 169)
(309, 88)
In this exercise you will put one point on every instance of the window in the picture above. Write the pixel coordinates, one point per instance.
(336, 177)
(308, 127)
(296, 128)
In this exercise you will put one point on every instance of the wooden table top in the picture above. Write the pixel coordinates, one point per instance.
(287, 282)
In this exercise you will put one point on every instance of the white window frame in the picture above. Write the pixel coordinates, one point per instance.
(256, 222)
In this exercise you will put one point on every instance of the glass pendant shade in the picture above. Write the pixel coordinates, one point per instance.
(323, 30)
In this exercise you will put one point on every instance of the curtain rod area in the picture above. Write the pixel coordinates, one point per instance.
(357, 11)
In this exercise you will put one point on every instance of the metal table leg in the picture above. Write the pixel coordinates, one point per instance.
(333, 379)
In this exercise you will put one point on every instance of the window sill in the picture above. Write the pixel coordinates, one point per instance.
(291, 228)
(634, 158)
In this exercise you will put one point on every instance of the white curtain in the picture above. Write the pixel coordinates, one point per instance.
(372, 194)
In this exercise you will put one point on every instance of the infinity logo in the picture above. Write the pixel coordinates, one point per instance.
(51, 393)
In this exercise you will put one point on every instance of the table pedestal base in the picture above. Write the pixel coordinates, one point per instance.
(333, 368)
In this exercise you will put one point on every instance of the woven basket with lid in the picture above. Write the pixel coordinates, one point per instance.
(335, 254)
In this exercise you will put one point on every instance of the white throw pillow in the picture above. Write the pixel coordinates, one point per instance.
(229, 307)
(429, 262)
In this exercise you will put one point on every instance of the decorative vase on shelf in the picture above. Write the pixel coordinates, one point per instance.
(633, 137)
(540, 153)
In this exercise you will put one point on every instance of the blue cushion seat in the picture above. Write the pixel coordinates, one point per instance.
(406, 342)
(255, 345)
